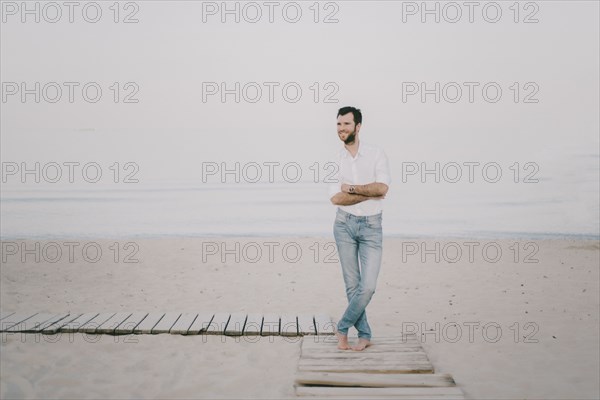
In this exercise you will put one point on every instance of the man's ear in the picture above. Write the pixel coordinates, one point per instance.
(358, 127)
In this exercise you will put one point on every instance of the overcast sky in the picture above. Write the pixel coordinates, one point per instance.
(366, 57)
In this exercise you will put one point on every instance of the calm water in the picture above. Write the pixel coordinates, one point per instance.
(188, 208)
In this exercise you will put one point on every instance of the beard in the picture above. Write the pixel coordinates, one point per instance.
(351, 137)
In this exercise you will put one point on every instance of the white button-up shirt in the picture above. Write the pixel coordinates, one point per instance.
(370, 165)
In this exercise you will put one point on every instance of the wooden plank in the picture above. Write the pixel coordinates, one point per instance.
(166, 323)
(353, 355)
(396, 340)
(5, 314)
(148, 323)
(306, 324)
(113, 322)
(419, 359)
(445, 393)
(218, 324)
(289, 325)
(384, 339)
(308, 345)
(183, 324)
(375, 340)
(93, 324)
(271, 325)
(74, 325)
(53, 328)
(395, 368)
(318, 342)
(322, 342)
(127, 327)
(253, 324)
(201, 323)
(374, 380)
(33, 323)
(235, 325)
(324, 325)
(366, 359)
(14, 320)
(55, 319)
(308, 351)
(369, 350)
(382, 397)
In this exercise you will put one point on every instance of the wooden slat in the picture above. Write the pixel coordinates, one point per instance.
(166, 323)
(113, 322)
(308, 344)
(253, 324)
(369, 350)
(33, 323)
(5, 314)
(55, 319)
(323, 342)
(127, 326)
(445, 393)
(183, 324)
(218, 324)
(410, 358)
(271, 325)
(412, 368)
(74, 325)
(374, 380)
(393, 367)
(148, 323)
(289, 325)
(200, 324)
(92, 325)
(328, 339)
(235, 325)
(348, 356)
(14, 320)
(377, 340)
(306, 324)
(353, 355)
(324, 325)
(53, 328)
(396, 340)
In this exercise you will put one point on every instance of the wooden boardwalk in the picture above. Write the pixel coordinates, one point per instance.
(391, 368)
(124, 323)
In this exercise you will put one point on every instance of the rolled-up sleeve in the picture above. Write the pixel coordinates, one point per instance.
(333, 180)
(382, 169)
(335, 185)
(334, 189)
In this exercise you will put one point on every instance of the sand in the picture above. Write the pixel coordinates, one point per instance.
(534, 325)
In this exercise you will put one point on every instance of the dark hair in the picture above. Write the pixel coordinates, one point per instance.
(355, 113)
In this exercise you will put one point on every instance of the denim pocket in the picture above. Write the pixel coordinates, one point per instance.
(374, 221)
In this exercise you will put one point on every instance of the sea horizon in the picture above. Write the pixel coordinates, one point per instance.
(172, 209)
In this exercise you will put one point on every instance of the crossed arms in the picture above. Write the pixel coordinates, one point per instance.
(370, 191)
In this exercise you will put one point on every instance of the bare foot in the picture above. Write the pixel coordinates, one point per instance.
(362, 344)
(342, 341)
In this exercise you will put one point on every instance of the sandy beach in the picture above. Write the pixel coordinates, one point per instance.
(509, 319)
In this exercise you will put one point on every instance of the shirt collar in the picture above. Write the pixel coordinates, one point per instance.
(346, 153)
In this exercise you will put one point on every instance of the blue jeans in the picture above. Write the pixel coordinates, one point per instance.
(359, 244)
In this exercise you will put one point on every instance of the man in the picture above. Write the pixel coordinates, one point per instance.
(363, 179)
